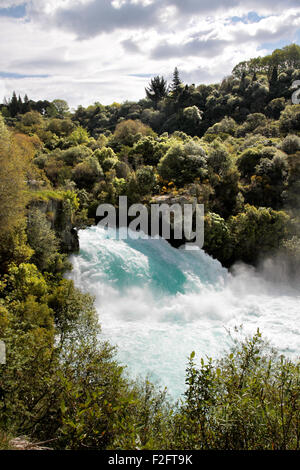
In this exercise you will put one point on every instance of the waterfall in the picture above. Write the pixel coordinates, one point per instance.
(158, 304)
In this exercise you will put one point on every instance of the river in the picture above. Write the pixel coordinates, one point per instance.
(158, 304)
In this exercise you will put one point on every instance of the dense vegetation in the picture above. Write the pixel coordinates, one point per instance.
(235, 146)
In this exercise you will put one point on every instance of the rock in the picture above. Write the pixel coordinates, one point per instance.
(22, 443)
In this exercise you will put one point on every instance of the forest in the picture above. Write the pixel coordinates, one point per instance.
(235, 146)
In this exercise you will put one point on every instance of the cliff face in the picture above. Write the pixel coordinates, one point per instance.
(59, 215)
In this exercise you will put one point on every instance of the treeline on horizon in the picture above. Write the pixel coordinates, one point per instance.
(251, 88)
(235, 146)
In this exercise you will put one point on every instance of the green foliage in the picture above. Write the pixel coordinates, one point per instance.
(248, 400)
(148, 151)
(86, 173)
(217, 237)
(291, 144)
(79, 136)
(183, 163)
(218, 159)
(290, 119)
(41, 238)
(257, 232)
(146, 180)
(60, 381)
(60, 127)
(248, 161)
(227, 126)
(127, 131)
(157, 90)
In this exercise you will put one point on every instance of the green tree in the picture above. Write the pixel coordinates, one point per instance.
(176, 85)
(183, 163)
(257, 232)
(157, 90)
(41, 238)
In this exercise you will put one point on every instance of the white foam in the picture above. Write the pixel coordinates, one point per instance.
(158, 304)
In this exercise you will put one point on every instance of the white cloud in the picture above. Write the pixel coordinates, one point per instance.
(98, 51)
(11, 3)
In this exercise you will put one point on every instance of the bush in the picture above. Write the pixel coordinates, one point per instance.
(217, 238)
(41, 238)
(86, 173)
(126, 131)
(218, 158)
(146, 180)
(103, 153)
(148, 151)
(75, 154)
(248, 400)
(109, 163)
(183, 163)
(248, 161)
(290, 119)
(291, 144)
(226, 126)
(257, 232)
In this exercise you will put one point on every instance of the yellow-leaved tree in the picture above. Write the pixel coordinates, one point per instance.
(14, 161)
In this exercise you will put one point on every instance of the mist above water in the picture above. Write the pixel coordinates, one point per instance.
(158, 304)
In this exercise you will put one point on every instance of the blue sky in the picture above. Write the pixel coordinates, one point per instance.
(106, 50)
(17, 11)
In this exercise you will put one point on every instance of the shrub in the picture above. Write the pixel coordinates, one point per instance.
(291, 144)
(183, 163)
(41, 238)
(248, 400)
(290, 119)
(86, 173)
(257, 232)
(146, 180)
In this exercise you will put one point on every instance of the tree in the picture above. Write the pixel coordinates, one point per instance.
(41, 238)
(86, 173)
(257, 232)
(192, 117)
(14, 105)
(176, 86)
(126, 132)
(146, 180)
(62, 107)
(157, 90)
(26, 104)
(183, 163)
(247, 400)
(274, 81)
(12, 180)
(291, 144)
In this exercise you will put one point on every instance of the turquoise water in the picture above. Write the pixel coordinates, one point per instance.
(158, 304)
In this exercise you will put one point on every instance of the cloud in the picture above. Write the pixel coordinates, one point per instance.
(130, 46)
(88, 20)
(194, 47)
(102, 50)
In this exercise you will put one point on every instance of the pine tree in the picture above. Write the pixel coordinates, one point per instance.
(176, 86)
(26, 104)
(157, 90)
(13, 105)
(20, 104)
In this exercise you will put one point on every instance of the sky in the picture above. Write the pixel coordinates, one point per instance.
(87, 51)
